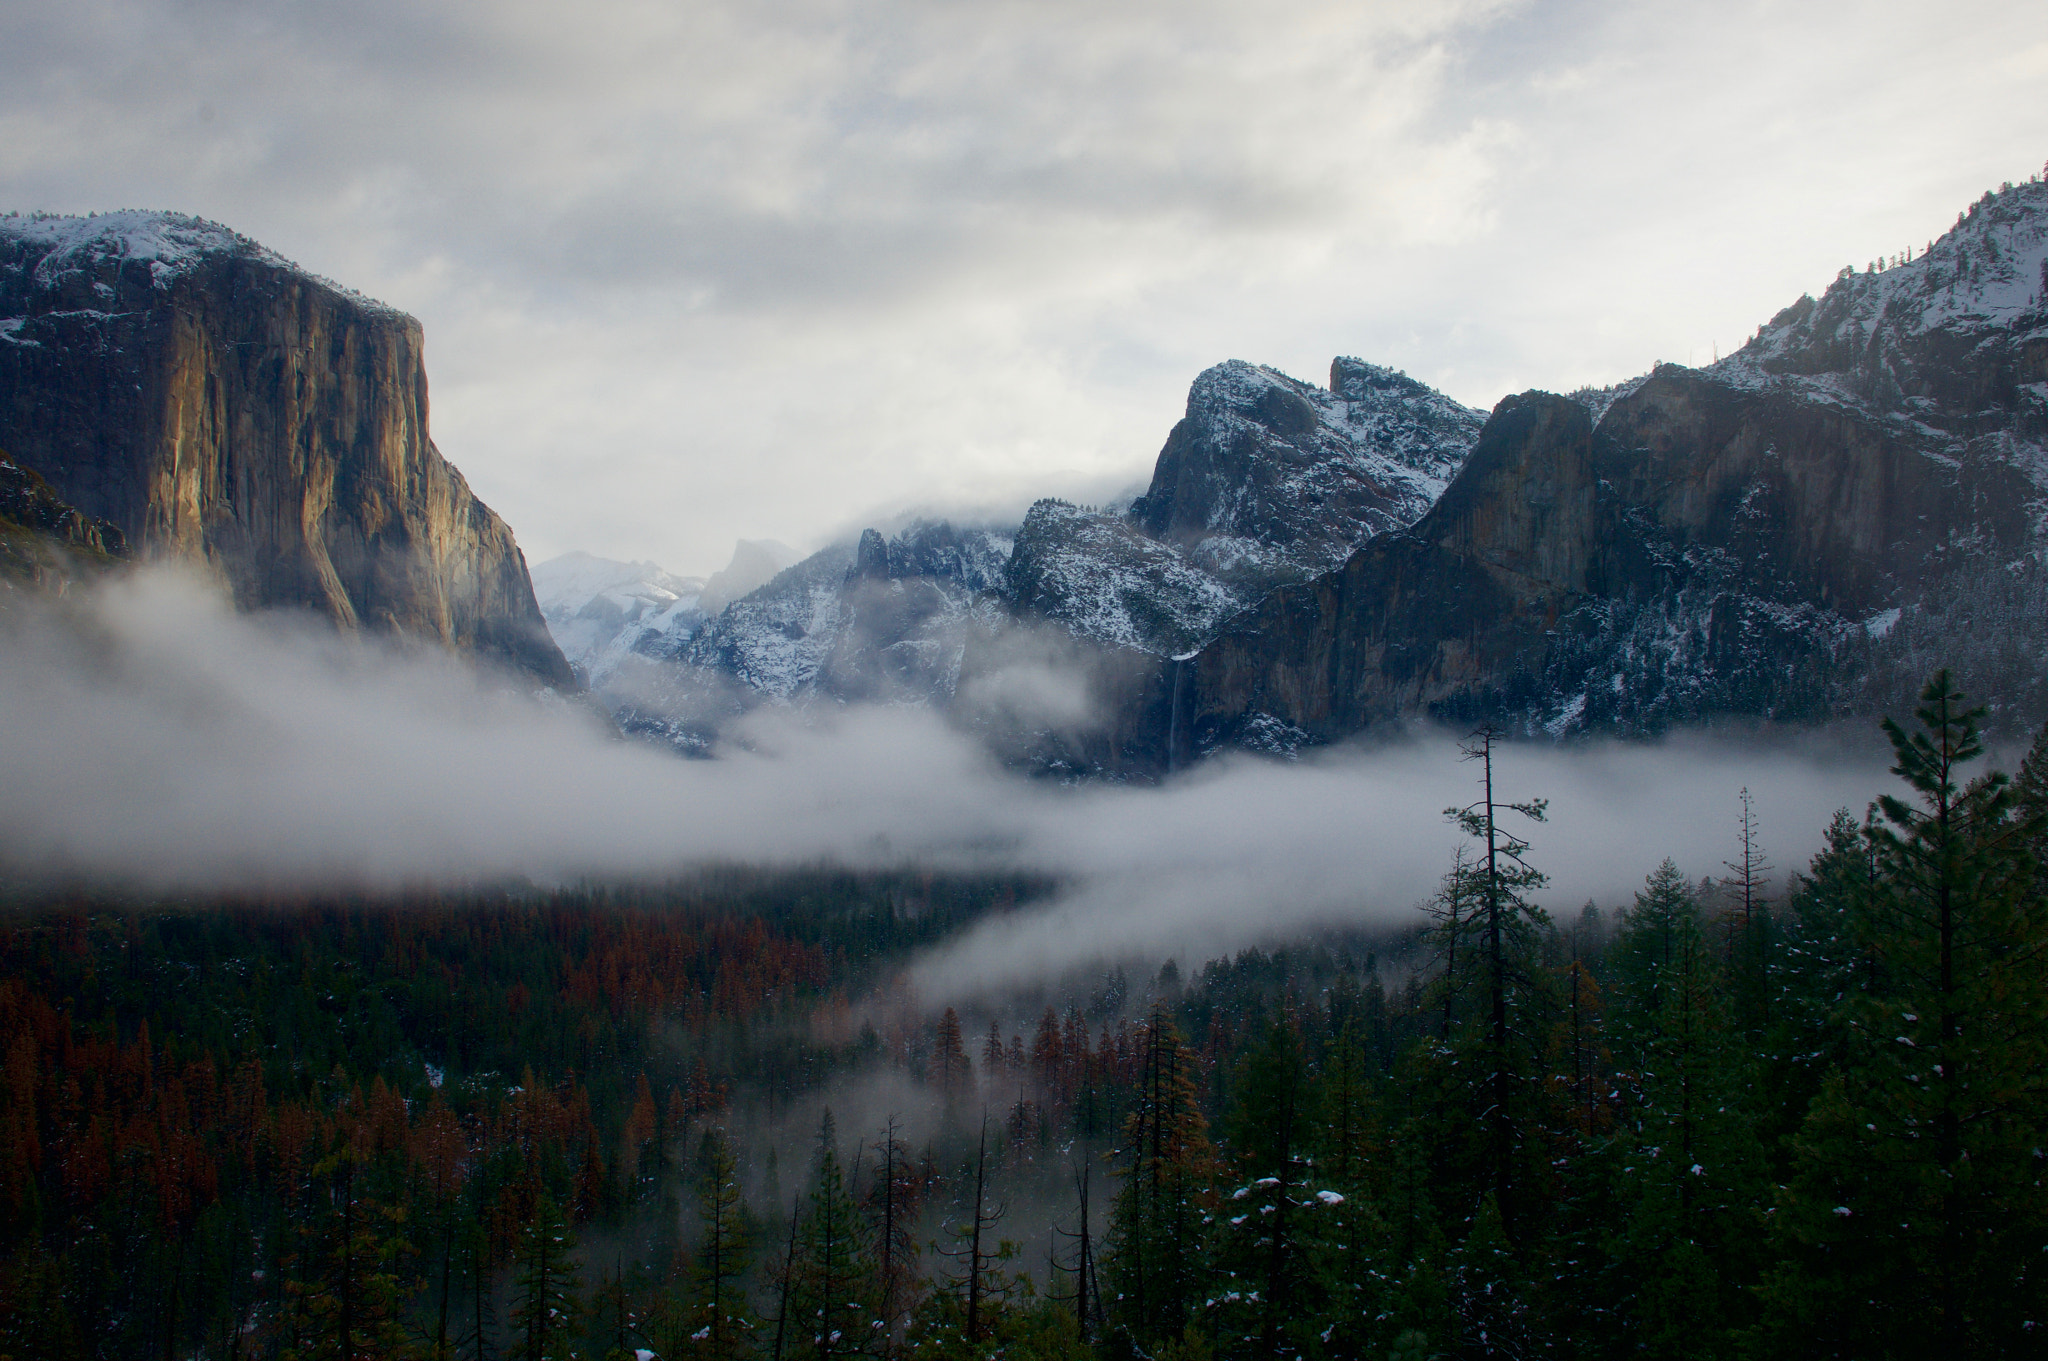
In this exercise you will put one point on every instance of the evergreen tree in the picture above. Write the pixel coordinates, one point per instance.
(1820, 964)
(1271, 1225)
(546, 1305)
(1687, 1163)
(1750, 928)
(1508, 1097)
(1155, 1266)
(719, 1266)
(833, 1293)
(949, 1068)
(1916, 1218)
(894, 1200)
(980, 1288)
(353, 1305)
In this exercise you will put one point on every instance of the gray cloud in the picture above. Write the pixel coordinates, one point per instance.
(707, 270)
(150, 737)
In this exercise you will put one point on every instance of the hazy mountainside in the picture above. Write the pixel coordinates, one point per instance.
(224, 408)
(597, 609)
(1265, 480)
(1800, 531)
(881, 621)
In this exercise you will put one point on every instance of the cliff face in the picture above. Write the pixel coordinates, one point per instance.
(1804, 530)
(224, 408)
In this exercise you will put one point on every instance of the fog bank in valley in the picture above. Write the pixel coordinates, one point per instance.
(151, 738)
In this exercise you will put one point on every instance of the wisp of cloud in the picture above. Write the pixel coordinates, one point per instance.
(151, 738)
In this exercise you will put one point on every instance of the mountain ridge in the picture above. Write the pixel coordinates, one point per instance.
(1796, 532)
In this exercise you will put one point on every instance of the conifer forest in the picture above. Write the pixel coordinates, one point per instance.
(1787, 1111)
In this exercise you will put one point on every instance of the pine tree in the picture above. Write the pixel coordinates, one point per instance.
(1916, 1214)
(1688, 1165)
(1751, 929)
(547, 1306)
(894, 1200)
(1156, 1223)
(353, 1306)
(1271, 1226)
(949, 1068)
(1508, 1095)
(980, 1288)
(1820, 964)
(834, 1286)
(719, 1266)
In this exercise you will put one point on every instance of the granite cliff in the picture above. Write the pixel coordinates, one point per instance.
(223, 408)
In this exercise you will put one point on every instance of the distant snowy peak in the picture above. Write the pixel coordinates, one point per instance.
(880, 618)
(569, 583)
(598, 609)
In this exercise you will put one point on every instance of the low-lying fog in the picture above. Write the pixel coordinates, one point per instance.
(150, 737)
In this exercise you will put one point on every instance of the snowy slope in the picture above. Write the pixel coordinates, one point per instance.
(1803, 530)
(1099, 576)
(599, 609)
(1950, 347)
(1266, 480)
(82, 252)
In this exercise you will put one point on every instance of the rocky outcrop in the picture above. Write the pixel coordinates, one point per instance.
(1099, 576)
(226, 409)
(1800, 532)
(1268, 479)
(1035, 638)
(45, 542)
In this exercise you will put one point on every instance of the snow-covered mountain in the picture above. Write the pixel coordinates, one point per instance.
(885, 620)
(1265, 480)
(597, 609)
(1803, 530)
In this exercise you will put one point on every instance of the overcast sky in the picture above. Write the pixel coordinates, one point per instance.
(692, 271)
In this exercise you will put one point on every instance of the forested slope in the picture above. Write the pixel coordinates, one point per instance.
(1736, 1117)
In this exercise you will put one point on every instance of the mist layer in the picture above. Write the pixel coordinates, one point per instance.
(152, 739)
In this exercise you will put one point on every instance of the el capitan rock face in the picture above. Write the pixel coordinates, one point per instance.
(226, 409)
